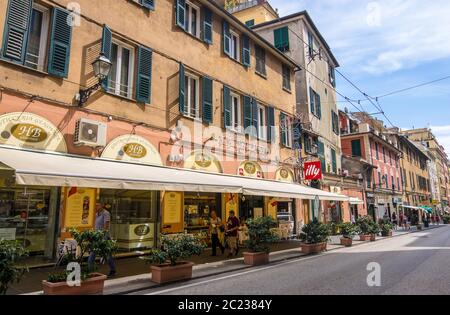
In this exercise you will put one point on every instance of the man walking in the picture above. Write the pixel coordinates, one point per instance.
(102, 223)
(232, 233)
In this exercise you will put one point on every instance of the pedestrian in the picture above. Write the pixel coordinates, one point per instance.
(401, 220)
(215, 226)
(102, 223)
(394, 220)
(243, 233)
(232, 233)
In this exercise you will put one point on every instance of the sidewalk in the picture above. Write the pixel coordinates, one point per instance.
(135, 275)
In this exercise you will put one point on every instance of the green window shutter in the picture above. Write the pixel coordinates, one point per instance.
(281, 39)
(60, 41)
(283, 128)
(250, 23)
(182, 91)
(207, 26)
(255, 120)
(312, 98)
(106, 50)
(144, 76)
(356, 148)
(319, 106)
(247, 114)
(334, 161)
(207, 98)
(270, 124)
(246, 50)
(149, 4)
(321, 150)
(226, 38)
(181, 13)
(17, 27)
(226, 107)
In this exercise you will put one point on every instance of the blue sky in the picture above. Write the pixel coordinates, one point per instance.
(388, 45)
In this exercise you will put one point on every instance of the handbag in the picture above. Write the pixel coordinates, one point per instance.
(222, 228)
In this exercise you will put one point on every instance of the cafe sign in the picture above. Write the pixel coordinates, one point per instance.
(284, 174)
(250, 169)
(132, 148)
(30, 131)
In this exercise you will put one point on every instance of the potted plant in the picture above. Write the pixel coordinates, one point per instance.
(446, 219)
(10, 253)
(374, 230)
(386, 229)
(348, 230)
(364, 224)
(314, 236)
(91, 282)
(260, 235)
(168, 268)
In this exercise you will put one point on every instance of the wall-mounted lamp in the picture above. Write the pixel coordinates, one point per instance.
(102, 66)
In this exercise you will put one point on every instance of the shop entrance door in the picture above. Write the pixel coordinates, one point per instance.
(250, 207)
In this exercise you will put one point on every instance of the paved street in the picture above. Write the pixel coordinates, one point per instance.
(416, 263)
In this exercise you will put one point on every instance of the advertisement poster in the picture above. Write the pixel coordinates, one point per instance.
(172, 208)
(231, 204)
(80, 207)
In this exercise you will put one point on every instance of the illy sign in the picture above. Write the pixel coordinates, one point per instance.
(313, 171)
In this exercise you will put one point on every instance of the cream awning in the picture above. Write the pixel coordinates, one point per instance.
(355, 201)
(35, 168)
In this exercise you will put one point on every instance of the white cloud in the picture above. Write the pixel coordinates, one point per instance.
(380, 37)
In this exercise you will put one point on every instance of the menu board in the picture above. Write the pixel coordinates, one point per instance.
(173, 208)
(79, 207)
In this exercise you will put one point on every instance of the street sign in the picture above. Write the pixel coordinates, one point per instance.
(313, 171)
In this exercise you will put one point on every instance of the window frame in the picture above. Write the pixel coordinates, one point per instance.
(287, 80)
(260, 59)
(288, 131)
(187, 96)
(239, 127)
(235, 46)
(43, 42)
(262, 128)
(188, 19)
(120, 45)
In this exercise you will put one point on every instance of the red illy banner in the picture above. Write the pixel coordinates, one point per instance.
(313, 171)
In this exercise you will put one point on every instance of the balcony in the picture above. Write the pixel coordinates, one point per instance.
(243, 5)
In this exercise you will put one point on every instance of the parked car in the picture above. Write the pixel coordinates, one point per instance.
(286, 221)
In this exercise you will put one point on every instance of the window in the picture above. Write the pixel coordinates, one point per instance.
(236, 110)
(191, 97)
(332, 75)
(286, 131)
(250, 23)
(398, 183)
(356, 148)
(262, 122)
(281, 39)
(334, 161)
(234, 44)
(380, 181)
(260, 60)
(369, 179)
(149, 4)
(321, 154)
(310, 44)
(286, 78)
(192, 20)
(316, 107)
(121, 75)
(335, 122)
(376, 150)
(393, 182)
(387, 181)
(37, 39)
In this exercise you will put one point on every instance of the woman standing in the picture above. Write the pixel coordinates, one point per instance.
(215, 224)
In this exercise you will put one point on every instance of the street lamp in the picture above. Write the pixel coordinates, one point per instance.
(102, 66)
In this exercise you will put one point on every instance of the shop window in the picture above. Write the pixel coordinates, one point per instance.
(121, 76)
(24, 217)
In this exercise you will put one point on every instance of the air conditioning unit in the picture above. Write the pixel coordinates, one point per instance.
(364, 128)
(90, 133)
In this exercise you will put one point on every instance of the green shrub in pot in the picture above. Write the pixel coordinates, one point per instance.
(10, 253)
(315, 232)
(260, 234)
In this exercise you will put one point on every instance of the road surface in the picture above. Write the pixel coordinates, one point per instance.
(417, 263)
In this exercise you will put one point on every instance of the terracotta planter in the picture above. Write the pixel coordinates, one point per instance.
(92, 286)
(347, 242)
(256, 259)
(314, 248)
(387, 234)
(373, 238)
(364, 238)
(167, 273)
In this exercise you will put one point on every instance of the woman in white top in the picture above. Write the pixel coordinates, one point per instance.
(215, 224)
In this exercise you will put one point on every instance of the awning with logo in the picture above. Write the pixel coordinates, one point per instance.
(35, 168)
